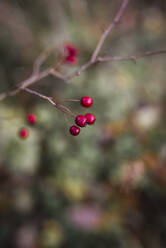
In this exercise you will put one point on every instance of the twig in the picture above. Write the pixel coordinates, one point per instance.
(40, 95)
(132, 57)
(51, 71)
(62, 108)
(40, 60)
(37, 74)
(109, 29)
(78, 71)
(71, 100)
(112, 59)
(31, 80)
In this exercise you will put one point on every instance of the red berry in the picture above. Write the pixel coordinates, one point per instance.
(90, 118)
(80, 120)
(71, 53)
(86, 101)
(71, 50)
(74, 130)
(31, 118)
(23, 133)
(71, 59)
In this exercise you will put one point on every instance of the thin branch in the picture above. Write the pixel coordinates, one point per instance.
(109, 29)
(132, 57)
(57, 74)
(37, 75)
(78, 71)
(9, 93)
(40, 95)
(112, 59)
(34, 78)
(71, 100)
(51, 71)
(40, 60)
(62, 108)
(31, 80)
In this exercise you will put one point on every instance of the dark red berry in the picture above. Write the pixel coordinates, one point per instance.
(23, 133)
(71, 50)
(74, 130)
(90, 118)
(86, 101)
(80, 120)
(31, 118)
(71, 59)
(71, 53)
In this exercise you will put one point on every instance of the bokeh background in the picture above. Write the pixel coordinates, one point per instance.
(106, 187)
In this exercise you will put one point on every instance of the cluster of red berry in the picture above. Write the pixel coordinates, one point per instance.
(24, 132)
(83, 120)
(71, 53)
(80, 120)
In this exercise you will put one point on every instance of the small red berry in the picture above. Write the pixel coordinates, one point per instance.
(74, 130)
(71, 53)
(71, 59)
(31, 118)
(23, 133)
(86, 101)
(80, 120)
(90, 118)
(71, 50)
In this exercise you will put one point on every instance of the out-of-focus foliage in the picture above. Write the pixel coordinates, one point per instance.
(106, 187)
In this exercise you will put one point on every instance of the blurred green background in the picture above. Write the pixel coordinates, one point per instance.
(106, 187)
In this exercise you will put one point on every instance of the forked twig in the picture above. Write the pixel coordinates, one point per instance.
(37, 74)
(109, 29)
(62, 108)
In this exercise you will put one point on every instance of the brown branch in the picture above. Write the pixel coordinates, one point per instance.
(71, 100)
(109, 29)
(31, 80)
(40, 95)
(78, 71)
(132, 57)
(40, 60)
(112, 59)
(37, 75)
(62, 108)
(51, 71)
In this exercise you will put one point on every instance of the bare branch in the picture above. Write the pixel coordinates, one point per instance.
(51, 71)
(57, 74)
(37, 75)
(62, 108)
(31, 80)
(79, 70)
(9, 93)
(132, 57)
(40, 60)
(40, 95)
(71, 100)
(109, 29)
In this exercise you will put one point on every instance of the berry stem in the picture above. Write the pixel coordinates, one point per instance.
(61, 107)
(71, 100)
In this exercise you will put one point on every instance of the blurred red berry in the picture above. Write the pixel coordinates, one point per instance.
(74, 130)
(71, 53)
(71, 50)
(23, 133)
(71, 59)
(86, 101)
(80, 120)
(31, 118)
(90, 118)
